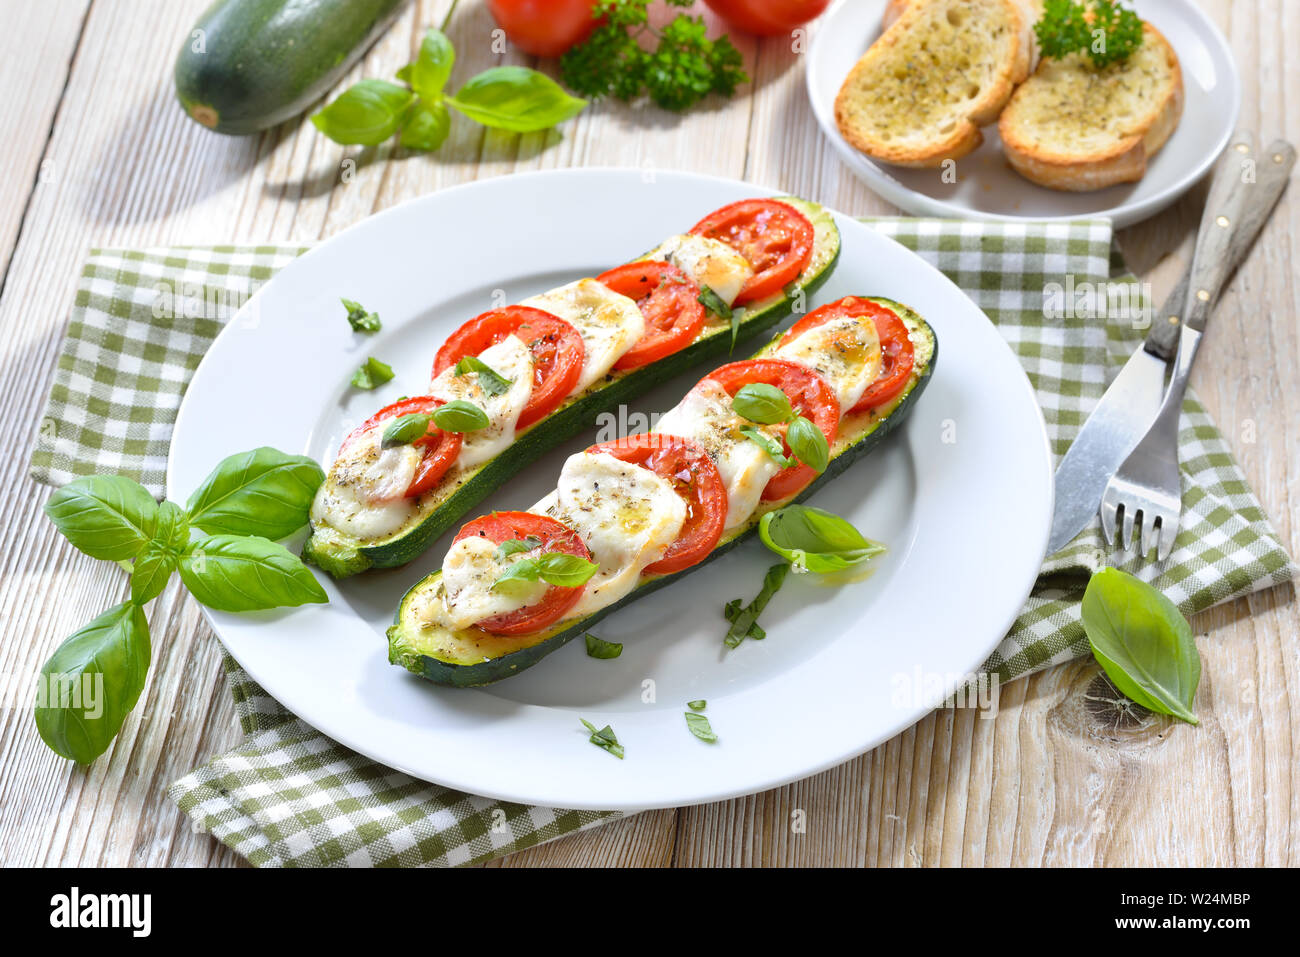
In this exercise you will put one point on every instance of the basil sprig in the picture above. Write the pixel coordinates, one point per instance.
(604, 739)
(1143, 643)
(512, 98)
(459, 415)
(514, 546)
(359, 318)
(405, 429)
(493, 382)
(744, 618)
(372, 374)
(814, 540)
(600, 648)
(554, 568)
(768, 405)
(95, 677)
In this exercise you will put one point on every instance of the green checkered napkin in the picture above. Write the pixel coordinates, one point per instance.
(291, 796)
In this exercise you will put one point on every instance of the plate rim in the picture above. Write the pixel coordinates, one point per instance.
(908, 717)
(878, 179)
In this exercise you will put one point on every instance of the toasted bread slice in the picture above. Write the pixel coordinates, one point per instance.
(1073, 126)
(944, 68)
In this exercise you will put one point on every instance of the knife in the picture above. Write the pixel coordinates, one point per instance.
(1130, 404)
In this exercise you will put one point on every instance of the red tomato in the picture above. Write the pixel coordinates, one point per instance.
(810, 395)
(440, 448)
(670, 302)
(767, 17)
(692, 473)
(556, 346)
(776, 239)
(556, 537)
(898, 357)
(544, 27)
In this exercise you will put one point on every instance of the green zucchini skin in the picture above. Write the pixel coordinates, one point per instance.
(261, 62)
(342, 561)
(402, 653)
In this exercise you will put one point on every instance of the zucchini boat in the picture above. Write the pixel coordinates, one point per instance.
(471, 656)
(344, 547)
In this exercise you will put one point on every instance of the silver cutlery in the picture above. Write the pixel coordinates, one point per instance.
(1143, 499)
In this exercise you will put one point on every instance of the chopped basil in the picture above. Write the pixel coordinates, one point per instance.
(516, 545)
(460, 416)
(359, 319)
(604, 739)
(372, 374)
(814, 540)
(711, 301)
(599, 648)
(405, 429)
(700, 727)
(762, 403)
(554, 568)
(744, 619)
(493, 382)
(698, 705)
(808, 442)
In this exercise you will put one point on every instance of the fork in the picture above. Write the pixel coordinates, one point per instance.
(1144, 496)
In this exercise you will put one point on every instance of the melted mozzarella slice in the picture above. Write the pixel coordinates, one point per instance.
(466, 595)
(844, 350)
(710, 262)
(609, 323)
(364, 494)
(511, 359)
(705, 416)
(626, 515)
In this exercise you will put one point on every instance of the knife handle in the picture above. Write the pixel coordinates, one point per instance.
(1244, 191)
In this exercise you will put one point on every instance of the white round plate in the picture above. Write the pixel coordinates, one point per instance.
(966, 521)
(987, 187)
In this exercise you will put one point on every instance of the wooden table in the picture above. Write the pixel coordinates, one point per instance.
(98, 153)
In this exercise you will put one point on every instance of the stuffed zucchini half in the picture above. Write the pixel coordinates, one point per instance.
(512, 383)
(635, 515)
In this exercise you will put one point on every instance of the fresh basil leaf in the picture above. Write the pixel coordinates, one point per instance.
(744, 619)
(493, 382)
(459, 415)
(426, 128)
(154, 566)
(1143, 643)
(247, 573)
(815, 540)
(405, 429)
(711, 301)
(768, 444)
(697, 705)
(263, 492)
(515, 98)
(554, 568)
(700, 727)
(808, 442)
(105, 516)
(359, 319)
(762, 403)
(429, 73)
(365, 114)
(516, 545)
(91, 683)
(372, 374)
(604, 739)
(599, 648)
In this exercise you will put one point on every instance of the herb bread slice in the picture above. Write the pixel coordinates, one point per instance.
(1073, 126)
(942, 70)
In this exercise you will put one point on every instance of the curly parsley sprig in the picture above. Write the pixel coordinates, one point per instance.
(683, 67)
(1103, 29)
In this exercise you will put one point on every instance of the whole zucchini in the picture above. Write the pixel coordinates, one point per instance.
(250, 64)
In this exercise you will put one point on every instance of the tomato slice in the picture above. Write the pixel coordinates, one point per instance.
(810, 395)
(670, 302)
(557, 350)
(556, 537)
(898, 358)
(776, 238)
(696, 479)
(440, 448)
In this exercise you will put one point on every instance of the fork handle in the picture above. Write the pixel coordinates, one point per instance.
(1244, 191)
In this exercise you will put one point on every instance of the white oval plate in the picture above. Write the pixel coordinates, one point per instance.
(987, 187)
(966, 521)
